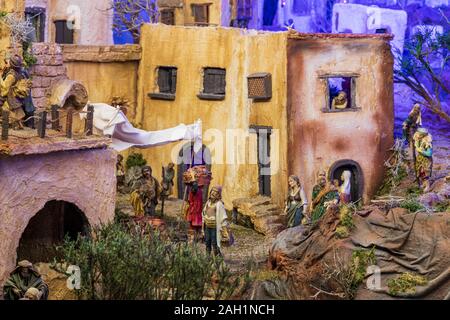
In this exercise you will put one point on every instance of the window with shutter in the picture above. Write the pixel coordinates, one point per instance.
(63, 34)
(340, 93)
(260, 86)
(214, 83)
(168, 16)
(201, 13)
(167, 84)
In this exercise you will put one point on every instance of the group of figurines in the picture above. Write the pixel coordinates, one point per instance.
(324, 194)
(25, 283)
(420, 144)
(207, 219)
(15, 93)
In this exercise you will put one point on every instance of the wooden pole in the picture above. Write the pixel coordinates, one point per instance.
(5, 124)
(89, 120)
(55, 117)
(69, 122)
(164, 195)
(42, 123)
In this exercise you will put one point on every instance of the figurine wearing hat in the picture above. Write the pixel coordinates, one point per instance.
(423, 157)
(25, 282)
(15, 91)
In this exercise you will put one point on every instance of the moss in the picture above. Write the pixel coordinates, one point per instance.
(342, 232)
(414, 191)
(411, 204)
(135, 159)
(443, 206)
(361, 259)
(345, 221)
(405, 283)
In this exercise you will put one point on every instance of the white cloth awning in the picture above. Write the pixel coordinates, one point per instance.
(113, 122)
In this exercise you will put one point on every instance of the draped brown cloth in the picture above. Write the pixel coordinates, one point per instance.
(404, 242)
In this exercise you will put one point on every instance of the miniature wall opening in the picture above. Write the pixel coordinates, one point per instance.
(48, 228)
(356, 180)
(187, 159)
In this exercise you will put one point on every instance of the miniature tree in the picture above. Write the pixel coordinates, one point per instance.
(417, 71)
(130, 15)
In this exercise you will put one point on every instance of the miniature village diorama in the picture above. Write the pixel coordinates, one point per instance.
(263, 149)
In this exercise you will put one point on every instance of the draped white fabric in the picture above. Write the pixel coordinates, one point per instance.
(112, 122)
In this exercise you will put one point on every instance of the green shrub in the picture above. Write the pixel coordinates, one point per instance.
(405, 283)
(135, 160)
(342, 232)
(131, 263)
(412, 205)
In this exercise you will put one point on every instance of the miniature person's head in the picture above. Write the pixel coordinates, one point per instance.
(119, 158)
(346, 175)
(293, 181)
(342, 96)
(336, 183)
(32, 294)
(415, 109)
(25, 267)
(147, 172)
(171, 165)
(15, 62)
(216, 193)
(322, 178)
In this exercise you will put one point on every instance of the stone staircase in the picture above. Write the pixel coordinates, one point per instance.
(260, 214)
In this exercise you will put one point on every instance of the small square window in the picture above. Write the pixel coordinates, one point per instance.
(167, 84)
(340, 95)
(63, 34)
(167, 16)
(200, 13)
(260, 86)
(213, 84)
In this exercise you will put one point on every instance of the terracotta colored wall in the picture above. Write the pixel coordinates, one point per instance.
(317, 139)
(84, 178)
(240, 53)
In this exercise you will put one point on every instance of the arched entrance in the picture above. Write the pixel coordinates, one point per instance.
(357, 182)
(188, 159)
(49, 227)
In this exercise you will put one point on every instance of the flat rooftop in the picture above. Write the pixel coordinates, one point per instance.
(27, 142)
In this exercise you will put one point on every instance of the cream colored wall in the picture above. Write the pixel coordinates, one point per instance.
(105, 80)
(95, 20)
(240, 53)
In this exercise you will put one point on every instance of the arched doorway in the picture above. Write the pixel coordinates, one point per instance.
(188, 159)
(49, 227)
(357, 182)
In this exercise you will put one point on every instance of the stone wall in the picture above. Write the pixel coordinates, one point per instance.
(48, 70)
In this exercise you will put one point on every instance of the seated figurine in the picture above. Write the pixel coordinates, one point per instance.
(23, 278)
(340, 101)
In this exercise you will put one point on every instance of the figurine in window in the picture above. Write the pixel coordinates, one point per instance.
(296, 202)
(340, 101)
(423, 157)
(345, 188)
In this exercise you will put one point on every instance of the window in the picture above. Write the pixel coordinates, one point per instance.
(168, 16)
(302, 7)
(340, 93)
(167, 84)
(37, 18)
(201, 14)
(213, 84)
(260, 86)
(63, 33)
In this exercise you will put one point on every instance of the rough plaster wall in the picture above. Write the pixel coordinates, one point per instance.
(240, 53)
(95, 23)
(84, 178)
(317, 139)
(105, 80)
